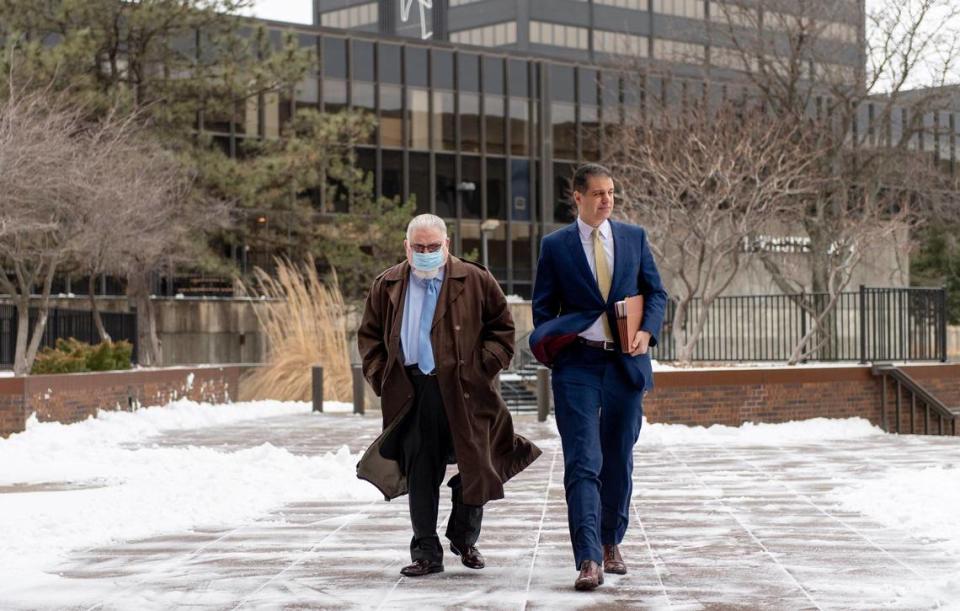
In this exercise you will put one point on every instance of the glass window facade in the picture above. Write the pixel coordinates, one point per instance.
(460, 128)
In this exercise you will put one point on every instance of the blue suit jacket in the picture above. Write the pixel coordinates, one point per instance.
(566, 299)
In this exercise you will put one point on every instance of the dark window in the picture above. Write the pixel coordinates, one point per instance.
(496, 124)
(522, 267)
(338, 199)
(367, 161)
(564, 210)
(520, 190)
(497, 255)
(588, 86)
(468, 72)
(519, 122)
(469, 122)
(563, 117)
(389, 63)
(391, 115)
(518, 78)
(590, 132)
(444, 122)
(442, 69)
(470, 169)
(391, 183)
(416, 66)
(446, 185)
(492, 75)
(496, 189)
(335, 58)
(470, 240)
(561, 83)
(362, 58)
(420, 180)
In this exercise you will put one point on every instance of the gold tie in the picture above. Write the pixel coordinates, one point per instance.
(603, 276)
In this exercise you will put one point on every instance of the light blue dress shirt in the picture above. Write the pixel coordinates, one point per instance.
(410, 327)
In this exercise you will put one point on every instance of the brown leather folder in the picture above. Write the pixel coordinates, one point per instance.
(629, 317)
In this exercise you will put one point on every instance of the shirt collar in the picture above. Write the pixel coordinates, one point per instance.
(586, 230)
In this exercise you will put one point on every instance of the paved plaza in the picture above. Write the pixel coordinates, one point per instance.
(715, 526)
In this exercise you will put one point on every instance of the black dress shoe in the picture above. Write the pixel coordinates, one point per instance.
(419, 568)
(591, 576)
(469, 555)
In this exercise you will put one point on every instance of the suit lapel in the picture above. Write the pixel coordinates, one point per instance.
(621, 258)
(575, 248)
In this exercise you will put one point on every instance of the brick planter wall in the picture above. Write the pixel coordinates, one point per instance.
(735, 396)
(74, 397)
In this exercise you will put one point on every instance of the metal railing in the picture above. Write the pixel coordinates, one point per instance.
(63, 323)
(869, 325)
(946, 418)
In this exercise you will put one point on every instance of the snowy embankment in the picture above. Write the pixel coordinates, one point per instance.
(67, 487)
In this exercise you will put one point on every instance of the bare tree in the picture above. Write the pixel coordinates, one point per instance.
(878, 142)
(146, 215)
(164, 222)
(44, 156)
(704, 183)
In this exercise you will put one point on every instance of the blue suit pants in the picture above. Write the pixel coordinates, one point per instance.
(599, 413)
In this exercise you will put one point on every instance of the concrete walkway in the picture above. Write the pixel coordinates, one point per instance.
(714, 527)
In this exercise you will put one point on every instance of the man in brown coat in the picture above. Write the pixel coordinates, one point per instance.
(435, 332)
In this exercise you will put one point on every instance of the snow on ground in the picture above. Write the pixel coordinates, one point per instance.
(108, 480)
(103, 482)
(922, 501)
(815, 430)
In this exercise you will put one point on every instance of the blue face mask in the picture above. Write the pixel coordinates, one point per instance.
(428, 261)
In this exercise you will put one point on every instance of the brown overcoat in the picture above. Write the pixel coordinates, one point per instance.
(473, 339)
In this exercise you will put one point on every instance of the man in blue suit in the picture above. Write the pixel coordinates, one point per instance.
(583, 270)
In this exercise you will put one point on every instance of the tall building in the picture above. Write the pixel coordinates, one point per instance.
(485, 107)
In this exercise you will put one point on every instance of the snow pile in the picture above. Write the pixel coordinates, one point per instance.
(923, 501)
(124, 489)
(815, 430)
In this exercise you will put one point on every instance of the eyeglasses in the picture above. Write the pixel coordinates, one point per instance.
(427, 247)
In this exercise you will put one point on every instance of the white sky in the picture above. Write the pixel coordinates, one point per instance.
(294, 11)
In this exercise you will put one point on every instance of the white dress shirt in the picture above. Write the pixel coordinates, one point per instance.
(595, 331)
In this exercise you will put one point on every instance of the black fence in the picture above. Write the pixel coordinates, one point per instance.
(64, 324)
(869, 325)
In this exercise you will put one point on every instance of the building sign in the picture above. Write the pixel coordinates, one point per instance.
(424, 6)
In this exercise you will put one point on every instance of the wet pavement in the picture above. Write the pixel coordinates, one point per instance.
(714, 527)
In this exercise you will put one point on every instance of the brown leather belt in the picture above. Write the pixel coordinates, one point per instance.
(602, 345)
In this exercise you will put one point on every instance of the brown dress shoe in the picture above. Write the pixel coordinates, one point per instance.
(419, 568)
(613, 561)
(591, 576)
(470, 556)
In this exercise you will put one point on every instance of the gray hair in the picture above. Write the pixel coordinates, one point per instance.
(426, 221)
